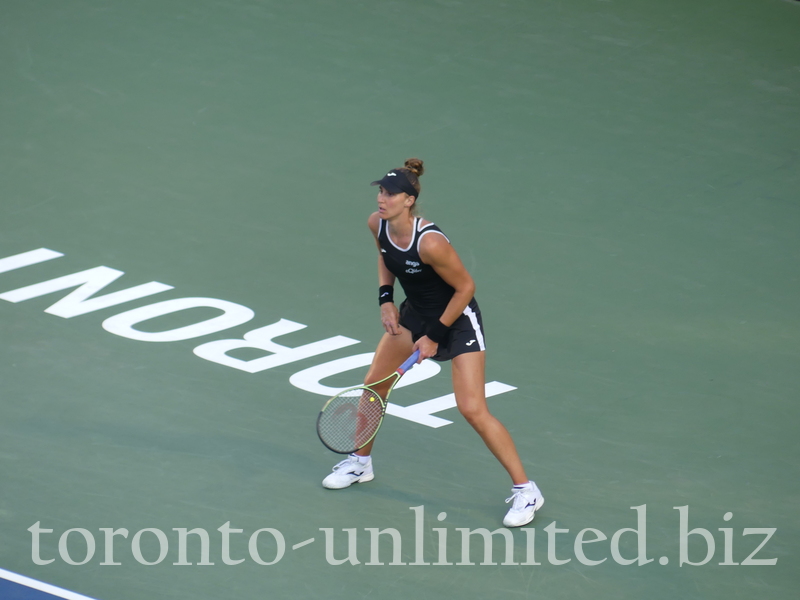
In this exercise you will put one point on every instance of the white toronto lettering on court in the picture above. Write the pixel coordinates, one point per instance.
(84, 300)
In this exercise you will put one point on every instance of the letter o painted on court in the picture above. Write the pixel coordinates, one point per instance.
(64, 551)
(122, 324)
(279, 541)
(136, 548)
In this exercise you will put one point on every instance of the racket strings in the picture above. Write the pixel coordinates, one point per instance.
(350, 420)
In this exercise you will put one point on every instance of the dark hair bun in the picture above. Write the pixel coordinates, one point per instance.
(415, 166)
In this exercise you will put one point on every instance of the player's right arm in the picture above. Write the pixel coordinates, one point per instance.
(390, 316)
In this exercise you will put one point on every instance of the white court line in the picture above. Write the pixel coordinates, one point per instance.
(42, 587)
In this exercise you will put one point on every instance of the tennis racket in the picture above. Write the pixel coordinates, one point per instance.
(351, 419)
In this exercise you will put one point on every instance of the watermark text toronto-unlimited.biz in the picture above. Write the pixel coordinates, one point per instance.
(268, 546)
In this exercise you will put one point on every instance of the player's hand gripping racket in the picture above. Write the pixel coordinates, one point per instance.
(351, 419)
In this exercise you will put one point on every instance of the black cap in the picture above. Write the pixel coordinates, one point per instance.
(395, 181)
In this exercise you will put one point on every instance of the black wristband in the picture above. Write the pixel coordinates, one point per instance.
(437, 331)
(385, 294)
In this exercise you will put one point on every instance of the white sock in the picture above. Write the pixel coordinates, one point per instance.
(362, 459)
(524, 486)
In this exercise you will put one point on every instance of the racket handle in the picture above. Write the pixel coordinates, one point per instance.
(412, 360)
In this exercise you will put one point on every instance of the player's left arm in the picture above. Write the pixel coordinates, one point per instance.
(437, 252)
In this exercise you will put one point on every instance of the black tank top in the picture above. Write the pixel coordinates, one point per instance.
(426, 291)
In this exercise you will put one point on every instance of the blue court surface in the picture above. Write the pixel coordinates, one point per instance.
(18, 587)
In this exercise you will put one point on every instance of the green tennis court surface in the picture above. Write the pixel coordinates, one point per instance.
(620, 179)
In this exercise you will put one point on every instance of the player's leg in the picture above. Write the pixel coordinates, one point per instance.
(391, 352)
(470, 392)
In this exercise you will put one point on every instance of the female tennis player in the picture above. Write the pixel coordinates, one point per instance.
(441, 319)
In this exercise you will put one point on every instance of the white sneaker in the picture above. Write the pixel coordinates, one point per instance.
(526, 503)
(348, 472)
